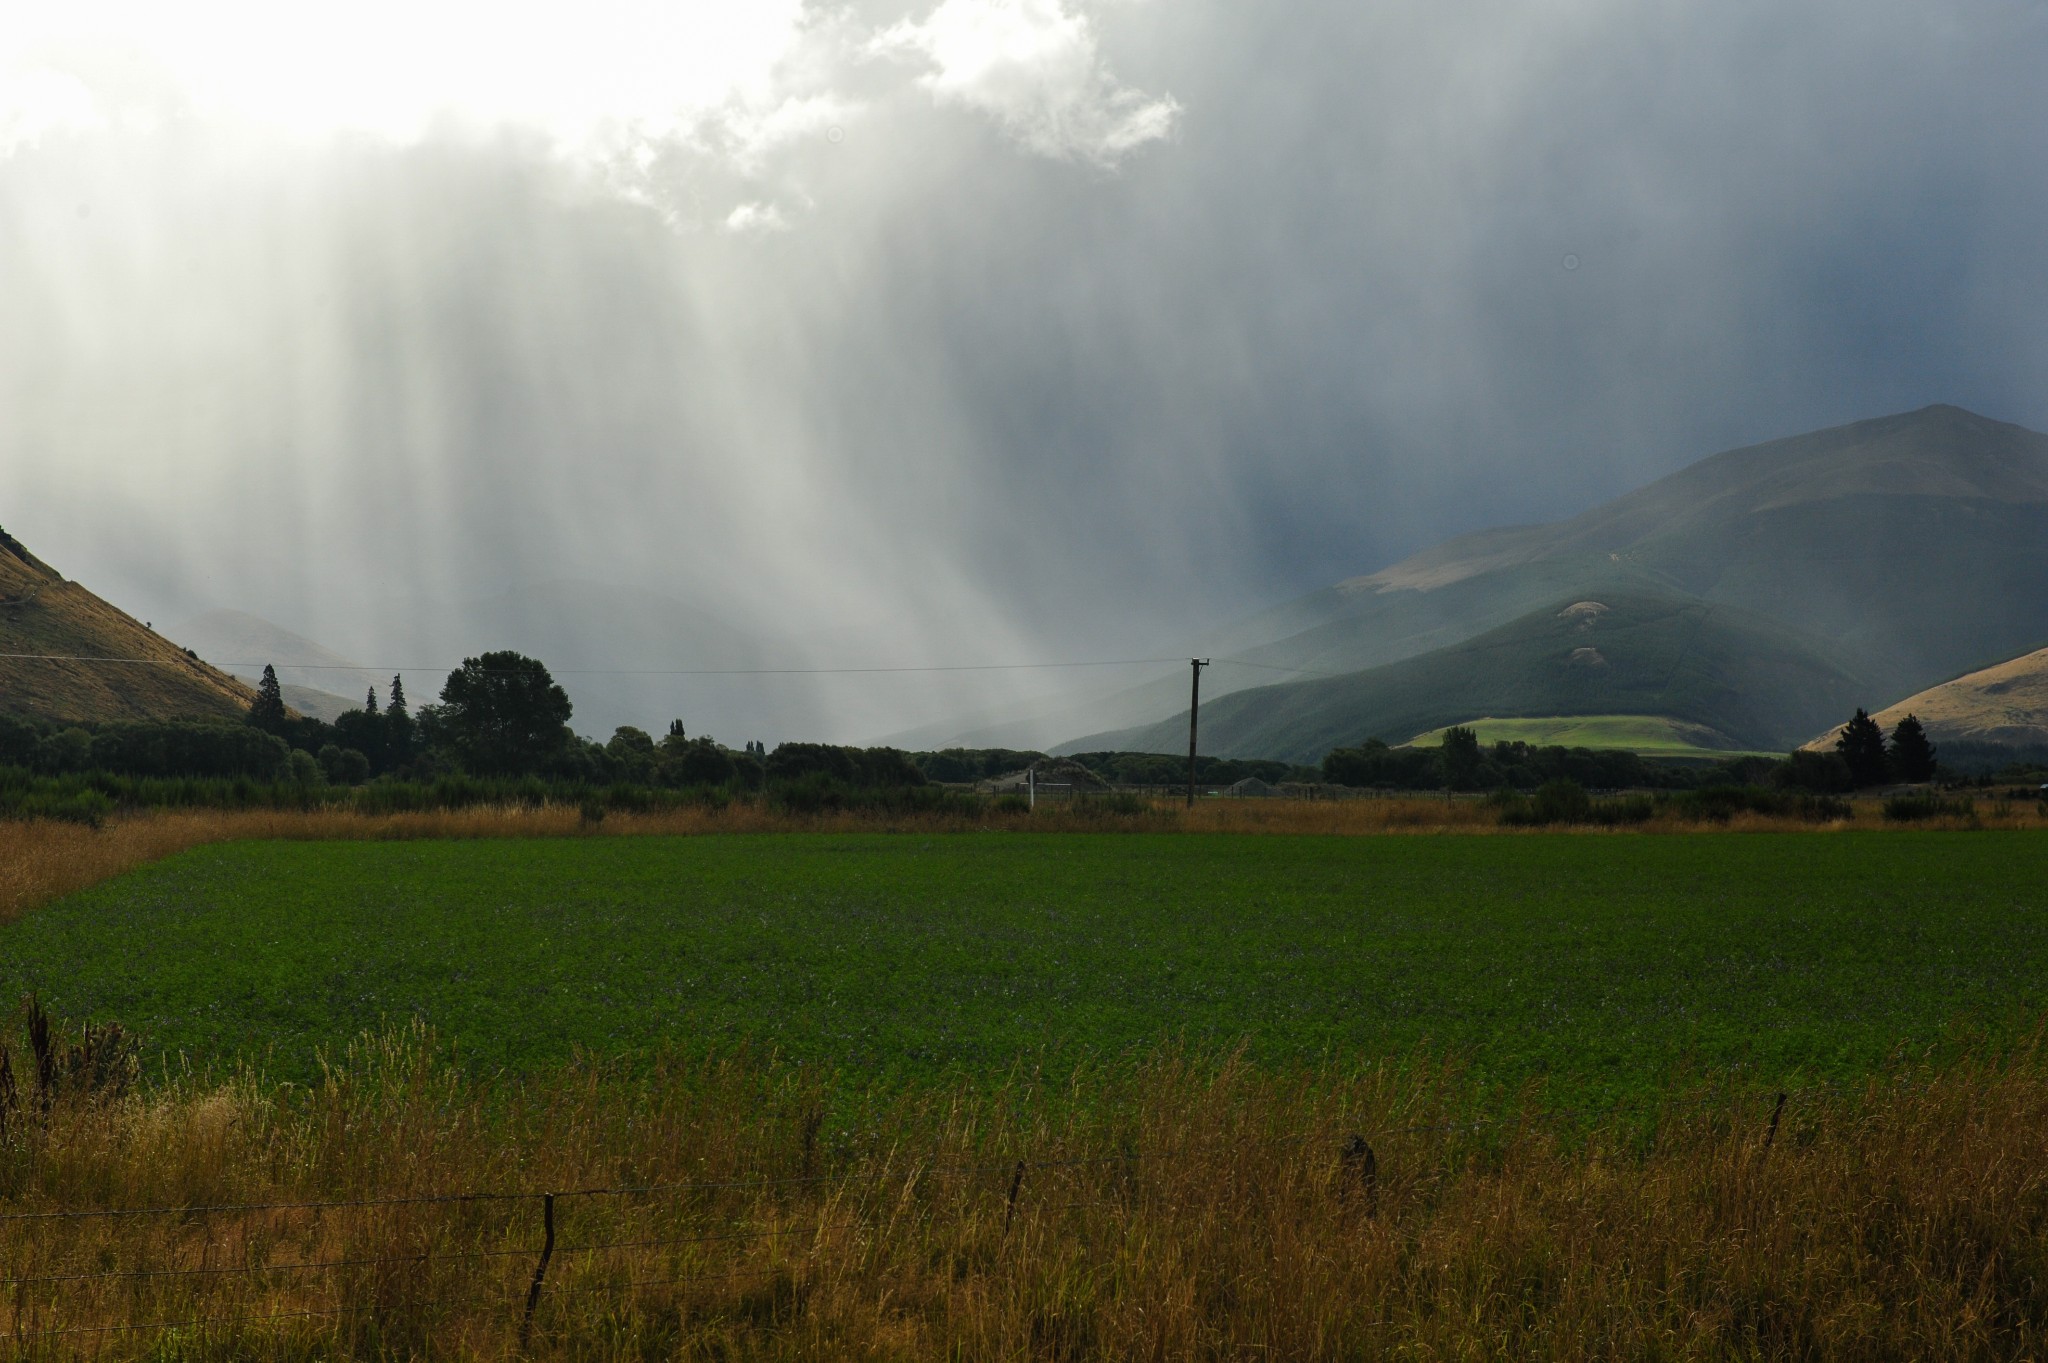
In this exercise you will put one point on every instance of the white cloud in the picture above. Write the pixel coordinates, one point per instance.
(1036, 67)
(35, 103)
(396, 67)
(756, 217)
(700, 109)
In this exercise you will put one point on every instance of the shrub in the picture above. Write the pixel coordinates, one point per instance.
(1821, 773)
(1917, 808)
(303, 769)
(1719, 804)
(87, 807)
(811, 793)
(1554, 802)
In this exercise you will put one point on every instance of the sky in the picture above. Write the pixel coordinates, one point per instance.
(976, 331)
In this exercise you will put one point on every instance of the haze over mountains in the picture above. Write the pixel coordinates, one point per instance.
(1750, 592)
(1756, 596)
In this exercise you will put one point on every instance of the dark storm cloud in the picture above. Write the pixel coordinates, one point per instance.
(1396, 271)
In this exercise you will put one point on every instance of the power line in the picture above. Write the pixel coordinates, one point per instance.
(383, 668)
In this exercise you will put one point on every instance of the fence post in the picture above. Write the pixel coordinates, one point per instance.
(540, 1270)
(1016, 1183)
(1361, 1166)
(814, 1121)
(1776, 1112)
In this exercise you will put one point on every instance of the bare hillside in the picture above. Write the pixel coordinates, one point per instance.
(2006, 705)
(44, 616)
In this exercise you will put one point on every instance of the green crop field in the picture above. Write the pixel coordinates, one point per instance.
(1606, 962)
(1649, 735)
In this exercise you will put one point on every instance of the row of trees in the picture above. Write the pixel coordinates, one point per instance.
(1461, 762)
(1872, 760)
(502, 714)
(1863, 757)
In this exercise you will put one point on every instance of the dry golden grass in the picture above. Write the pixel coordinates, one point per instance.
(1172, 1211)
(41, 861)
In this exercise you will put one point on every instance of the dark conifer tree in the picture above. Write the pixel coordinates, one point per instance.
(268, 712)
(370, 702)
(1862, 747)
(1911, 754)
(399, 730)
(675, 728)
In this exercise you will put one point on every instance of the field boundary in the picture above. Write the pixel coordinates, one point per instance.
(1355, 1161)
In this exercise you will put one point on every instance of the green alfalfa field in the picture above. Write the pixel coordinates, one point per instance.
(1585, 963)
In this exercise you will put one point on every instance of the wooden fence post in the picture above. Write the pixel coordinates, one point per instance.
(1361, 1166)
(1016, 1183)
(540, 1270)
(1776, 1112)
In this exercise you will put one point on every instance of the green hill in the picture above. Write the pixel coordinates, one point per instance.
(1746, 678)
(41, 614)
(1911, 544)
(1644, 735)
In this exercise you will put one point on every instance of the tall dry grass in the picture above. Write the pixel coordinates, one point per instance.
(1173, 1211)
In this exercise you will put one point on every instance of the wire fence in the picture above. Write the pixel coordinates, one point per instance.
(1355, 1162)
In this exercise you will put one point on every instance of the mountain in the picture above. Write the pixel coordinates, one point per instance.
(42, 614)
(1744, 680)
(2004, 706)
(312, 677)
(1903, 550)
(1914, 542)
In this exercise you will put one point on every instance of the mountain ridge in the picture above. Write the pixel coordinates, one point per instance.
(1904, 547)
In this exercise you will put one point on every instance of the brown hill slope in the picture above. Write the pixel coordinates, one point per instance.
(42, 614)
(2006, 705)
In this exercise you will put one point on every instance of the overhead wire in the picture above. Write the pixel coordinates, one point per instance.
(382, 668)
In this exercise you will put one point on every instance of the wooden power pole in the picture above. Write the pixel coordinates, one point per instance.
(1194, 712)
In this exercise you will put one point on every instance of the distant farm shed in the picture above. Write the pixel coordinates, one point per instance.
(1056, 777)
(1252, 788)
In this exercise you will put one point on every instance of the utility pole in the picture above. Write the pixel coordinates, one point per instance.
(1194, 712)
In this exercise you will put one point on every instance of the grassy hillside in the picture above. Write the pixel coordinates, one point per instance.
(1647, 735)
(41, 613)
(1733, 672)
(2006, 705)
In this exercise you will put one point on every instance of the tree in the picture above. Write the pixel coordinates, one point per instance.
(632, 755)
(696, 762)
(1912, 756)
(303, 769)
(504, 715)
(1461, 758)
(1862, 747)
(398, 729)
(268, 713)
(370, 702)
(343, 766)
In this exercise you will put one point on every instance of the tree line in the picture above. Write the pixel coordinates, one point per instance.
(501, 716)
(1863, 757)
